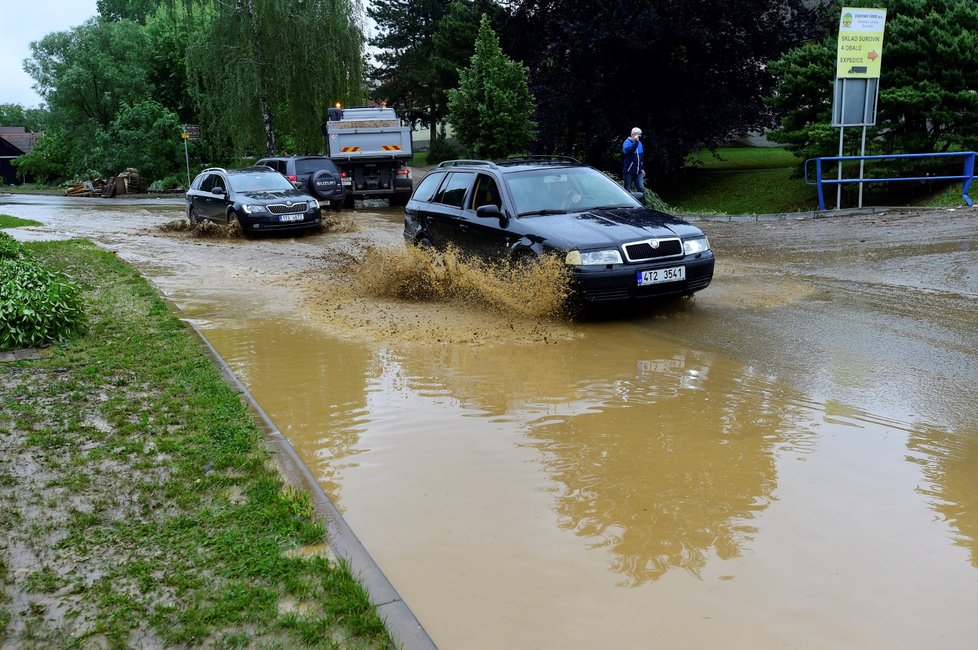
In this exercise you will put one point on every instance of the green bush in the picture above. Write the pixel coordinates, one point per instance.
(441, 150)
(10, 248)
(37, 305)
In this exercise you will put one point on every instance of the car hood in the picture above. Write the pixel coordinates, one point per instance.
(608, 228)
(273, 196)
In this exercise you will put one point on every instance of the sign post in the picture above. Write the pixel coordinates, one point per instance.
(858, 62)
(190, 132)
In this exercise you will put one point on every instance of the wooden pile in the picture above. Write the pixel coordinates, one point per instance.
(128, 182)
(91, 187)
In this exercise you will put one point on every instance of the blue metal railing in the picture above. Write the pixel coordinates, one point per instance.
(967, 175)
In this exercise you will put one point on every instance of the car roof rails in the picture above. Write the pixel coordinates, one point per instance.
(459, 163)
(542, 159)
(214, 169)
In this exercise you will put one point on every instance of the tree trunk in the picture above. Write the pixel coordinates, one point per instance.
(266, 116)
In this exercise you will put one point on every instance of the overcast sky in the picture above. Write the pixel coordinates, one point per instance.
(23, 21)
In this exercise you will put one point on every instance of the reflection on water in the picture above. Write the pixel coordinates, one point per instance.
(949, 460)
(541, 468)
(665, 474)
(316, 392)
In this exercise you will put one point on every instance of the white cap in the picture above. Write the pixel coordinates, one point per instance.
(636, 130)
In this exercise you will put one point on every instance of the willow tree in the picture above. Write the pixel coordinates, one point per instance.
(262, 69)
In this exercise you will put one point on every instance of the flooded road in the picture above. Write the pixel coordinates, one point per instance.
(788, 460)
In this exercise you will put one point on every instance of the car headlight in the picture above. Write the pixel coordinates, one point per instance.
(251, 209)
(593, 258)
(697, 245)
(313, 205)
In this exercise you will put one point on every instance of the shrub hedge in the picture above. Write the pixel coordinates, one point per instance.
(37, 305)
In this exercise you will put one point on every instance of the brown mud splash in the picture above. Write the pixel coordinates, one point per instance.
(204, 229)
(535, 289)
(332, 222)
(409, 294)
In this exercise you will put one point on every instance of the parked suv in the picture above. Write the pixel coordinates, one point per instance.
(523, 208)
(258, 198)
(315, 175)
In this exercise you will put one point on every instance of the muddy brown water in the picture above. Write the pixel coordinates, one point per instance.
(788, 460)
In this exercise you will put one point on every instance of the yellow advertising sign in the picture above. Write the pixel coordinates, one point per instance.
(860, 43)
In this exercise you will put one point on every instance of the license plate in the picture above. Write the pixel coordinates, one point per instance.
(347, 181)
(291, 217)
(325, 204)
(658, 276)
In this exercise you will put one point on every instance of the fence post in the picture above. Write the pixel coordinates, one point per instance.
(969, 175)
(818, 184)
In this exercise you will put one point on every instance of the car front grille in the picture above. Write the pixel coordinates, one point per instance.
(282, 208)
(653, 249)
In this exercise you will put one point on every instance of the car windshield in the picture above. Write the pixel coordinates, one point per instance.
(259, 181)
(572, 189)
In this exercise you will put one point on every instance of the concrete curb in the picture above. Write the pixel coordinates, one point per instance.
(810, 214)
(404, 627)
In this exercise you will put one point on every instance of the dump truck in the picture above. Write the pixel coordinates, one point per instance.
(372, 149)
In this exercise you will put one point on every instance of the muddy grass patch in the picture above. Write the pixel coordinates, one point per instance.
(136, 495)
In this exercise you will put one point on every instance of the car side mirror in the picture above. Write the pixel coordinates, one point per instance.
(490, 211)
(218, 190)
(639, 196)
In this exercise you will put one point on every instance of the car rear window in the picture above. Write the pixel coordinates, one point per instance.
(305, 166)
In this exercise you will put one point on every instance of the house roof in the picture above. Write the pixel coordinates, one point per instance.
(19, 138)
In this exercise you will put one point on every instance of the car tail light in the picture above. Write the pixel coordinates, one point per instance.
(344, 175)
(294, 179)
(404, 172)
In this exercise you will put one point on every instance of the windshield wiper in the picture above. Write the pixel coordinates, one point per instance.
(616, 206)
(541, 212)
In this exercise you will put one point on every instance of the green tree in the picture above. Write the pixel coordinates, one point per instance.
(50, 159)
(170, 31)
(492, 108)
(404, 72)
(453, 45)
(146, 136)
(135, 10)
(689, 73)
(86, 73)
(927, 99)
(262, 69)
(32, 119)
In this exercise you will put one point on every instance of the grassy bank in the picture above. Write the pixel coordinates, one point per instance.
(138, 502)
(7, 221)
(759, 180)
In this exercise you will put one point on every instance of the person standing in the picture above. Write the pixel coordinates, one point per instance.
(633, 163)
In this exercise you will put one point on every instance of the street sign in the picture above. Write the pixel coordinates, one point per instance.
(860, 52)
(191, 132)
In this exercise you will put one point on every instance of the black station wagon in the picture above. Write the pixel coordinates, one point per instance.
(527, 207)
(259, 198)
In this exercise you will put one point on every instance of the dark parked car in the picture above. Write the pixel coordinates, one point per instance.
(523, 208)
(318, 176)
(258, 198)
